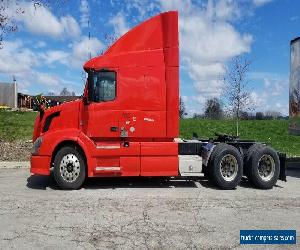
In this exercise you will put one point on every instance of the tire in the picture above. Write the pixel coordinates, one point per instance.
(69, 168)
(264, 167)
(247, 157)
(225, 166)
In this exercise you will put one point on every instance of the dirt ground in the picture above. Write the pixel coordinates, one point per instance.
(15, 151)
(140, 213)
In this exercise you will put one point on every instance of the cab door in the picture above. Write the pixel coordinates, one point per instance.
(103, 115)
(114, 154)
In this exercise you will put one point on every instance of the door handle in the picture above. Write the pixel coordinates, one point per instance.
(113, 129)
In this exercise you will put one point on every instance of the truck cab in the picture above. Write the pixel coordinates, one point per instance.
(127, 122)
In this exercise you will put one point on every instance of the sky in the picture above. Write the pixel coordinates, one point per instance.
(52, 43)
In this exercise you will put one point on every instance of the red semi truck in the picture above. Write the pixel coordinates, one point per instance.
(127, 122)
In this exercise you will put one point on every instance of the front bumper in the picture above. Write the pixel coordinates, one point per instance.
(40, 164)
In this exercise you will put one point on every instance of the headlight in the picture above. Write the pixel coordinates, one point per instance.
(36, 145)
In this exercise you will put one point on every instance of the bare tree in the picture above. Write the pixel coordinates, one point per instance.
(272, 114)
(182, 112)
(7, 24)
(213, 109)
(237, 94)
(259, 116)
(197, 116)
(65, 92)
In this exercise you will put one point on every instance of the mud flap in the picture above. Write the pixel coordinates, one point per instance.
(282, 159)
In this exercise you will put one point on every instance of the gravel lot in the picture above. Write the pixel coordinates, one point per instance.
(15, 150)
(140, 213)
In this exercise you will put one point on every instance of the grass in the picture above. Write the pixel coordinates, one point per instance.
(19, 125)
(273, 132)
(16, 125)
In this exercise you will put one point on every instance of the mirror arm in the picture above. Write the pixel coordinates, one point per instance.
(90, 96)
(85, 100)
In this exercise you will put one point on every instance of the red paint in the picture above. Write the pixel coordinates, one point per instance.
(146, 62)
(159, 165)
(40, 165)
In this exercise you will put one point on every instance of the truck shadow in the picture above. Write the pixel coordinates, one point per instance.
(41, 182)
(44, 182)
(137, 182)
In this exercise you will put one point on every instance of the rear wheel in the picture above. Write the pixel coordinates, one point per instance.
(226, 166)
(69, 168)
(264, 167)
(247, 158)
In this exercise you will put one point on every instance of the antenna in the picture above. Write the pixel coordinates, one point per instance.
(90, 53)
(83, 73)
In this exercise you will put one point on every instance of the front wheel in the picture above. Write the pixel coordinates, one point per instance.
(226, 166)
(69, 168)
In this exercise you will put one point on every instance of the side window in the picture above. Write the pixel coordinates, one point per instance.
(104, 86)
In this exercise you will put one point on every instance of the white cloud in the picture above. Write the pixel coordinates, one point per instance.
(227, 10)
(40, 44)
(40, 20)
(19, 61)
(258, 100)
(185, 7)
(208, 40)
(203, 40)
(263, 102)
(267, 82)
(143, 8)
(53, 56)
(70, 26)
(259, 3)
(16, 58)
(184, 98)
(46, 79)
(23, 63)
(78, 53)
(84, 10)
(82, 49)
(119, 23)
(271, 94)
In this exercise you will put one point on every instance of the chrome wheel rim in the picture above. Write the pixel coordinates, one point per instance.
(69, 167)
(228, 167)
(266, 167)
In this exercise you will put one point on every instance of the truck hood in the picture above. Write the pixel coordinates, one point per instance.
(63, 106)
(67, 111)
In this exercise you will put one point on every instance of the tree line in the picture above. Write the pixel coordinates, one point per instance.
(214, 110)
(63, 92)
(236, 97)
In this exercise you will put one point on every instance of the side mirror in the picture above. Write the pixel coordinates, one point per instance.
(85, 100)
(90, 88)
